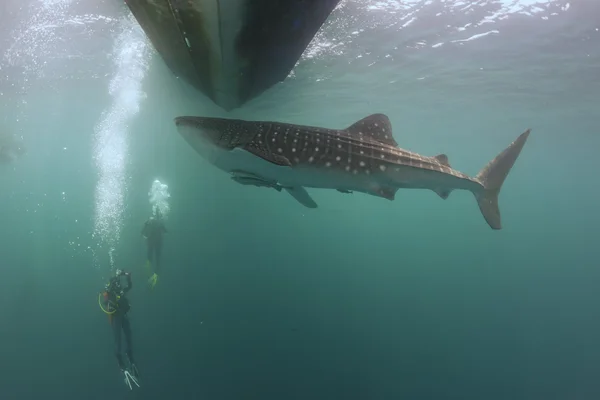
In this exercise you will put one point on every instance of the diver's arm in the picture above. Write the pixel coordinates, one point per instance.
(129, 284)
(105, 299)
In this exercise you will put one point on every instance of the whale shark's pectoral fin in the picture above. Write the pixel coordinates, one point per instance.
(300, 194)
(344, 191)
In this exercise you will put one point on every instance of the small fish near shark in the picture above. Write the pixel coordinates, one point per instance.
(363, 157)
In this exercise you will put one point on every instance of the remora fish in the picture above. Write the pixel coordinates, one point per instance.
(363, 157)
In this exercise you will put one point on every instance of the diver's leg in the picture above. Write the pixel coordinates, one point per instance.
(149, 250)
(157, 255)
(116, 326)
(128, 342)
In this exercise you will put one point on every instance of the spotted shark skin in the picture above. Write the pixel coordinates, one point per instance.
(363, 157)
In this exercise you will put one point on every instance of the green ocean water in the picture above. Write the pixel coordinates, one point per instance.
(260, 298)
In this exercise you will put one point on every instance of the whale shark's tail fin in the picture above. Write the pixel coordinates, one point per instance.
(492, 177)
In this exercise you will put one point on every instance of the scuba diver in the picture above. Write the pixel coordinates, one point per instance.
(11, 147)
(116, 305)
(153, 231)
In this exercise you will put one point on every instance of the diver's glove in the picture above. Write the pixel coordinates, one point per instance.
(130, 378)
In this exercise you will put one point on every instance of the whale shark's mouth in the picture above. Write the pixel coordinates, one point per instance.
(209, 131)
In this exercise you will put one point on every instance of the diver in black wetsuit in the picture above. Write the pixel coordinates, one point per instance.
(116, 305)
(153, 231)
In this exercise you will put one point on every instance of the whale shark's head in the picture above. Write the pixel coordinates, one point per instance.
(223, 133)
(199, 132)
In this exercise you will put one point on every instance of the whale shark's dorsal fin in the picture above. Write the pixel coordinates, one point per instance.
(376, 127)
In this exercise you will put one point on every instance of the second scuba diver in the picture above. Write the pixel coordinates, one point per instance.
(153, 231)
(116, 305)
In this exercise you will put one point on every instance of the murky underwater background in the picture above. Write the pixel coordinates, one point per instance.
(260, 298)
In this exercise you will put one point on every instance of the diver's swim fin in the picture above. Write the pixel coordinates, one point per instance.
(134, 370)
(129, 378)
(153, 280)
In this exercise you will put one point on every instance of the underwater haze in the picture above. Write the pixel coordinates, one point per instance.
(262, 298)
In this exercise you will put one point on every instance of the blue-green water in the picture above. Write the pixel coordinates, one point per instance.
(260, 298)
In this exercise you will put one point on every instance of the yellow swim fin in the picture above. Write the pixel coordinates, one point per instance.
(153, 281)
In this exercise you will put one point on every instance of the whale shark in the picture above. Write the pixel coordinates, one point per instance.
(363, 157)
